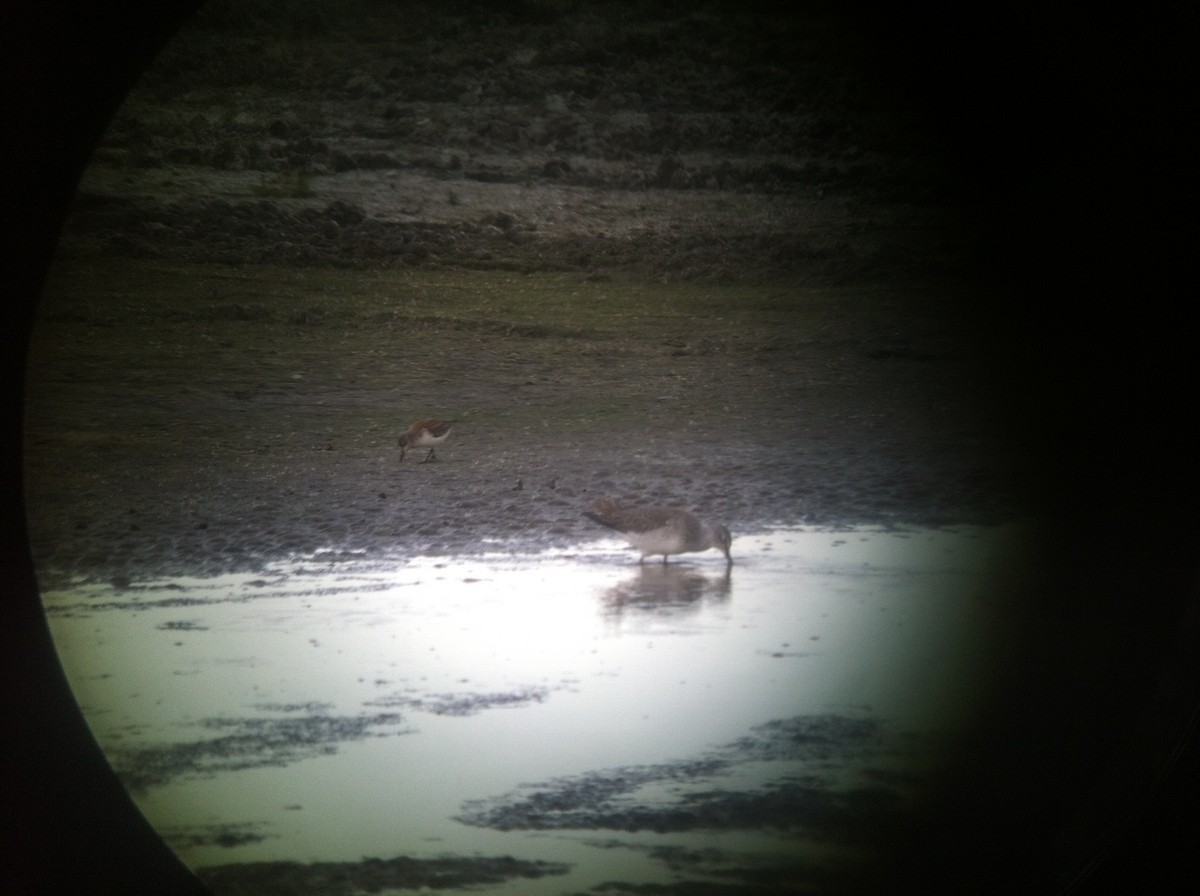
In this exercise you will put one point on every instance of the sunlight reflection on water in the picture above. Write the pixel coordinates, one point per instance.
(570, 707)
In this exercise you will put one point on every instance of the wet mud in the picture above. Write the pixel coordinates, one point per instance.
(244, 743)
(604, 800)
(305, 732)
(156, 446)
(864, 817)
(695, 145)
(683, 259)
(371, 875)
(465, 704)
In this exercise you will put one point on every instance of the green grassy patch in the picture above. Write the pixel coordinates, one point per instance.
(284, 185)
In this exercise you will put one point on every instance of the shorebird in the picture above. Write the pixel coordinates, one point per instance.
(661, 530)
(425, 434)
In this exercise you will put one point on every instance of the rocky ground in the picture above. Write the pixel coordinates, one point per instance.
(682, 255)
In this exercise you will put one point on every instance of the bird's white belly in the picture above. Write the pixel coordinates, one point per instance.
(659, 541)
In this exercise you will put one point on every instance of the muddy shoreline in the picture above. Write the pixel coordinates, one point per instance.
(203, 396)
(247, 430)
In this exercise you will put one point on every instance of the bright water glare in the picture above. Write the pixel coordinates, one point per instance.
(574, 710)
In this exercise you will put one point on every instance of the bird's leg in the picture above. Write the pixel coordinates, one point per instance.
(664, 559)
(429, 456)
(401, 453)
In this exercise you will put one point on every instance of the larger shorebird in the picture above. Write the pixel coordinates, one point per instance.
(425, 434)
(662, 530)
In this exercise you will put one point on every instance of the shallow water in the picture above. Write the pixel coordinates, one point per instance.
(616, 722)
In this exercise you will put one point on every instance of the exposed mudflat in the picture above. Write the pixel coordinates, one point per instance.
(702, 258)
(192, 418)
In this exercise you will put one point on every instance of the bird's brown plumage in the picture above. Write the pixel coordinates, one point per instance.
(425, 433)
(661, 530)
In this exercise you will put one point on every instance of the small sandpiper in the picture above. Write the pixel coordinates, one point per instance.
(662, 530)
(425, 434)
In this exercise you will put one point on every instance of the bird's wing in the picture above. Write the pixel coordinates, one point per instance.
(436, 428)
(644, 519)
(633, 519)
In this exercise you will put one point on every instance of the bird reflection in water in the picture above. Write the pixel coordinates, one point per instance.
(666, 590)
